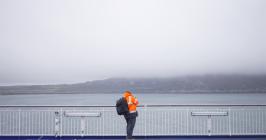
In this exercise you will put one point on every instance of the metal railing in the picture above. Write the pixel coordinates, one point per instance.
(153, 120)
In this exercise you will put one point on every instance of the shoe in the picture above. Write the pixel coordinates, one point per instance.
(129, 138)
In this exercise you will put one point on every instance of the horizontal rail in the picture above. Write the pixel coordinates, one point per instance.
(209, 113)
(84, 114)
(143, 105)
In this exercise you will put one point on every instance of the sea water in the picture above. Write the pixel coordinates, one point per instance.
(110, 99)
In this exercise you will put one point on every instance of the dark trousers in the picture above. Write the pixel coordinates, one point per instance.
(131, 120)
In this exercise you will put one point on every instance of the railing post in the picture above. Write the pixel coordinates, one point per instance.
(103, 123)
(82, 126)
(61, 120)
(57, 123)
(229, 121)
(209, 125)
(19, 121)
(145, 120)
(187, 110)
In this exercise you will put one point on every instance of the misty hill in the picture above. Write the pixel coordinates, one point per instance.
(185, 84)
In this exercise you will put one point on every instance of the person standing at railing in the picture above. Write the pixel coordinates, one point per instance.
(132, 115)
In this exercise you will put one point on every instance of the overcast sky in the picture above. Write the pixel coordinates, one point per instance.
(68, 41)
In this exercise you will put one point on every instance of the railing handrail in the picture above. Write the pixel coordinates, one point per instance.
(143, 105)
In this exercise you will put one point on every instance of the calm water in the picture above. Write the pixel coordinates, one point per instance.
(109, 99)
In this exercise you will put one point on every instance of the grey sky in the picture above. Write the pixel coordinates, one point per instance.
(66, 41)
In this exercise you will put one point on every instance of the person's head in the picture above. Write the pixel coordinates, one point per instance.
(127, 93)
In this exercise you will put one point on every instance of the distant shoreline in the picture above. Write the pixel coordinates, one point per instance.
(212, 84)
